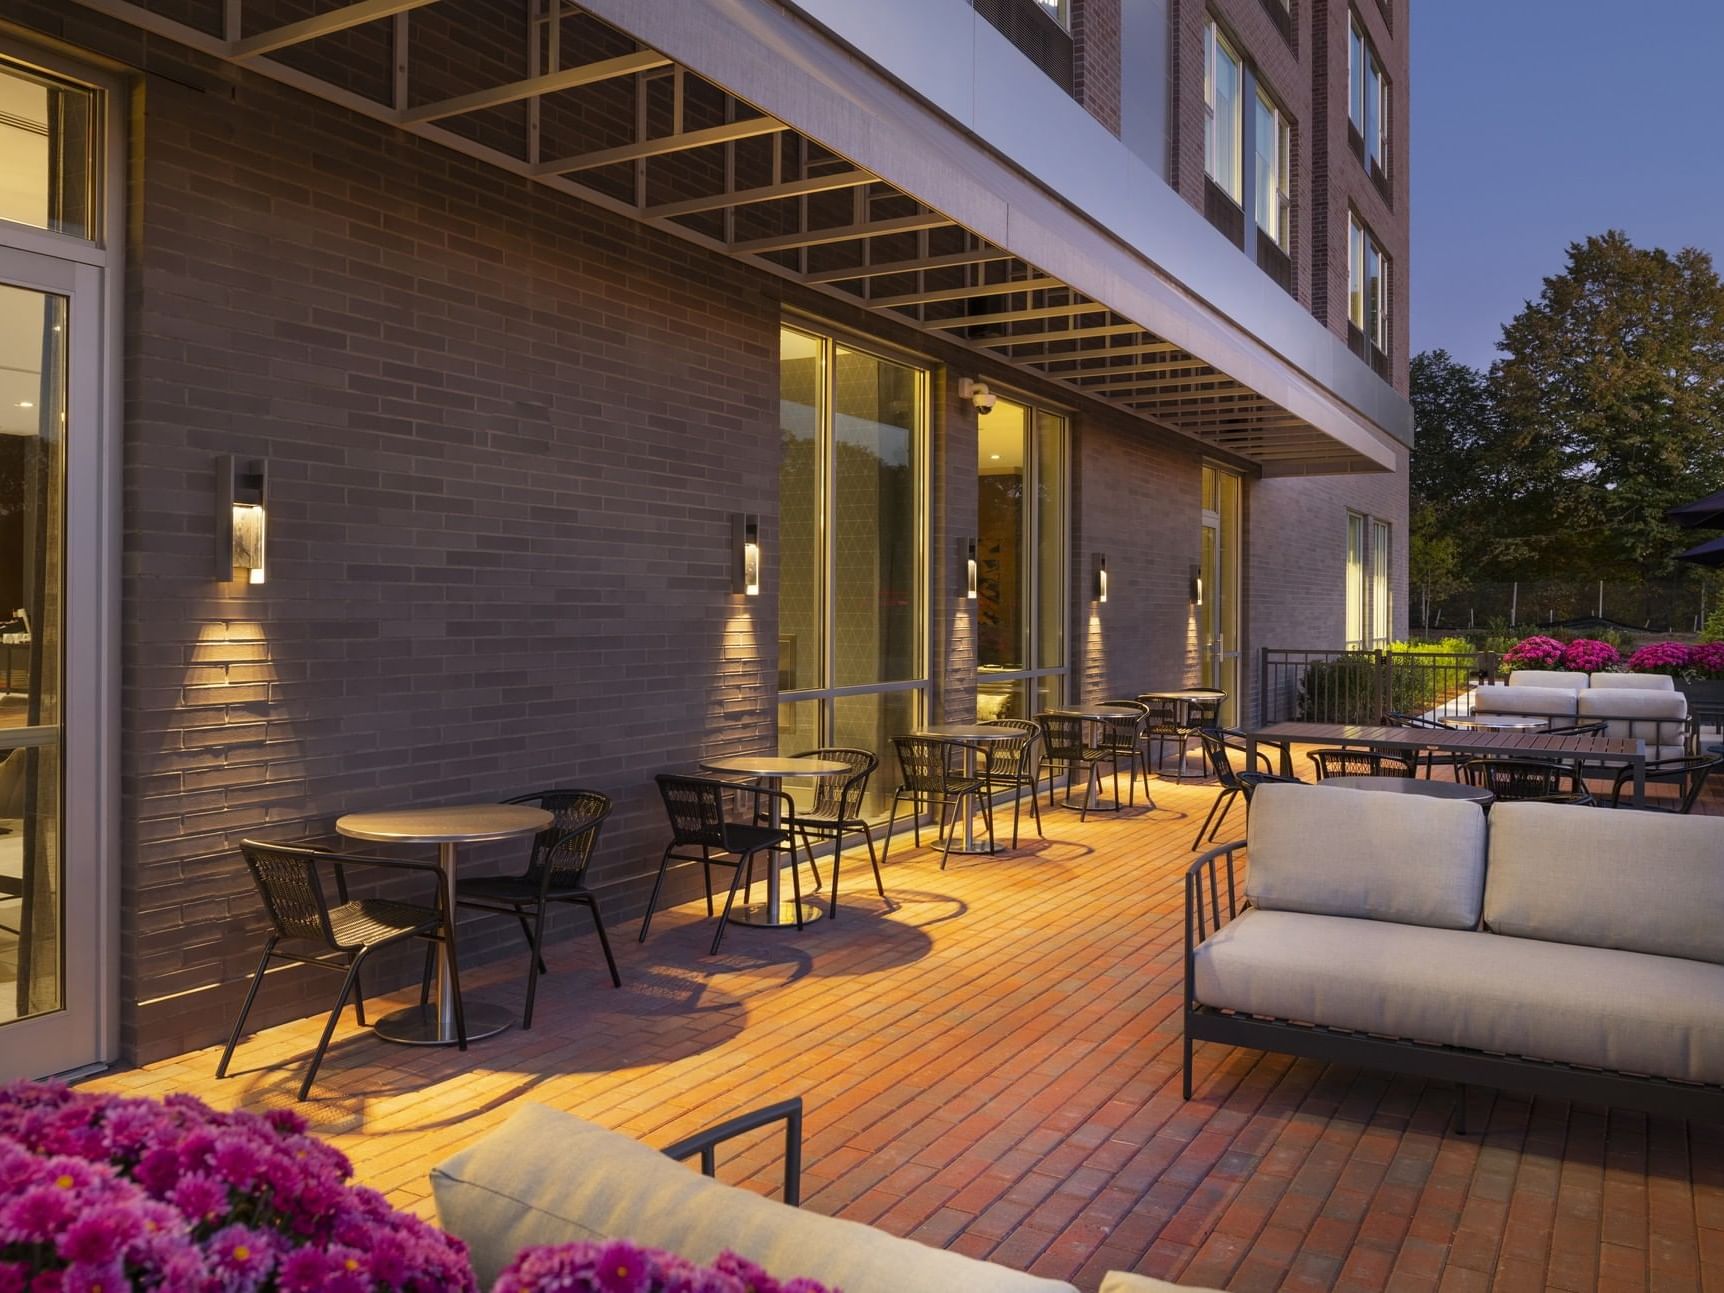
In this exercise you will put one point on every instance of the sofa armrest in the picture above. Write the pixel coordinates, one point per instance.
(1207, 896)
(705, 1143)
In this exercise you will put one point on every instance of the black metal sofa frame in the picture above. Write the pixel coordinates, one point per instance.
(1213, 897)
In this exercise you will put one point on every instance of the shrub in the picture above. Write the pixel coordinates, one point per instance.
(618, 1266)
(115, 1193)
(1589, 655)
(1659, 657)
(1707, 660)
(1536, 652)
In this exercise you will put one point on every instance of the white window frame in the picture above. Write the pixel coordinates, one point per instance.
(1214, 45)
(1382, 584)
(1364, 67)
(1280, 209)
(1058, 10)
(1358, 589)
(1361, 246)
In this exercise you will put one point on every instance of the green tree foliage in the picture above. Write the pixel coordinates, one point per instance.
(1610, 400)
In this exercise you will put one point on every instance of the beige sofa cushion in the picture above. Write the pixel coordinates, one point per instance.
(1364, 853)
(548, 1177)
(1542, 701)
(1644, 882)
(1581, 1005)
(1656, 717)
(1563, 678)
(1631, 682)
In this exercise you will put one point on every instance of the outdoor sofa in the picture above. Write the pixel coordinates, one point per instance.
(1656, 715)
(1553, 949)
(549, 1177)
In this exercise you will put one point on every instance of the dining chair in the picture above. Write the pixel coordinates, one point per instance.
(1016, 766)
(696, 807)
(556, 872)
(1359, 763)
(1163, 722)
(930, 775)
(1219, 748)
(837, 811)
(307, 928)
(1687, 774)
(1431, 760)
(1524, 779)
(1127, 738)
(1065, 745)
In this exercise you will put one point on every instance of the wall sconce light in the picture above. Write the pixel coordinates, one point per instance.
(977, 393)
(967, 555)
(1101, 576)
(1197, 585)
(745, 553)
(241, 518)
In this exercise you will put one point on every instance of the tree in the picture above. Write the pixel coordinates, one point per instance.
(1610, 394)
(1454, 477)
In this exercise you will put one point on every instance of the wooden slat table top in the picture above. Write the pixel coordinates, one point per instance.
(1535, 744)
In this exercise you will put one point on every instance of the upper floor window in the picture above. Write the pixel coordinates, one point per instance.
(47, 153)
(1059, 10)
(1368, 101)
(1223, 128)
(1272, 143)
(1367, 286)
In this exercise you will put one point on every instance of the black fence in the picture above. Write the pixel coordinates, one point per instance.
(1365, 686)
(1678, 605)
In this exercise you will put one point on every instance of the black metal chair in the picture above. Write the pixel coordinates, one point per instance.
(556, 872)
(929, 775)
(1688, 774)
(1163, 721)
(837, 811)
(1127, 738)
(698, 820)
(1064, 745)
(1527, 779)
(1359, 763)
(340, 935)
(1431, 760)
(1219, 749)
(1202, 714)
(1016, 766)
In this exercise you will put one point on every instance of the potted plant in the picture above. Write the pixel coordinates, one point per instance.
(617, 1266)
(1704, 679)
(1535, 652)
(1660, 657)
(1589, 655)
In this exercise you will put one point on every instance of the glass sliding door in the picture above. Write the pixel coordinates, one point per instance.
(851, 665)
(1021, 602)
(1218, 604)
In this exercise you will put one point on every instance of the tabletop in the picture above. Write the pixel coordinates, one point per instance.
(1096, 713)
(772, 765)
(970, 732)
(1614, 749)
(1189, 693)
(1413, 786)
(1498, 723)
(451, 824)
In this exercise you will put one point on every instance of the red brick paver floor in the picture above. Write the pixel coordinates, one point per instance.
(990, 1062)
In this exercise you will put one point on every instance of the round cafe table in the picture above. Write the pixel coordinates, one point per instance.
(777, 912)
(1098, 714)
(1498, 723)
(971, 736)
(448, 828)
(1415, 786)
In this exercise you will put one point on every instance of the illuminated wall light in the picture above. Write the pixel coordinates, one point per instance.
(967, 555)
(1197, 585)
(745, 553)
(242, 516)
(1101, 576)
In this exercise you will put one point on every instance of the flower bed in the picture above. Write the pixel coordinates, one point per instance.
(1660, 657)
(1589, 655)
(1536, 652)
(108, 1193)
(621, 1267)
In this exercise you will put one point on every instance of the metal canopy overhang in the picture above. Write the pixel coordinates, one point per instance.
(595, 113)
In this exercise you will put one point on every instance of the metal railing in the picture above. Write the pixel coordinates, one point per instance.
(1363, 686)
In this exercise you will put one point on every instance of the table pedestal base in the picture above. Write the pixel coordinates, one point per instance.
(419, 1025)
(774, 915)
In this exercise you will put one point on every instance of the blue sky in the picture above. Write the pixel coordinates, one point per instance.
(1538, 122)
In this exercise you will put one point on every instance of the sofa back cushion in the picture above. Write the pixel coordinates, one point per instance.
(1632, 682)
(1497, 699)
(1656, 717)
(1365, 853)
(548, 1177)
(1563, 678)
(1635, 881)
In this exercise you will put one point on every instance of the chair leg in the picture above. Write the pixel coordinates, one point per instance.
(245, 1009)
(948, 809)
(987, 802)
(1017, 807)
(592, 904)
(455, 986)
(837, 852)
(652, 901)
(808, 848)
(358, 1001)
(1186, 1084)
(916, 819)
(1036, 811)
(329, 1026)
(527, 933)
(795, 883)
(429, 972)
(535, 936)
(891, 821)
(873, 861)
(724, 916)
(1225, 797)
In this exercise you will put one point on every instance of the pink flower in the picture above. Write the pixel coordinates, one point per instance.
(1707, 659)
(1589, 655)
(1659, 657)
(1536, 652)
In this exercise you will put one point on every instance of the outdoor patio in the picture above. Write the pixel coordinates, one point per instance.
(990, 1062)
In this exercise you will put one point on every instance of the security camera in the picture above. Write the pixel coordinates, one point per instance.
(978, 394)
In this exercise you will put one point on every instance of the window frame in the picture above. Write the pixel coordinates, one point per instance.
(1363, 67)
(1380, 563)
(1282, 206)
(1364, 297)
(1215, 43)
(1356, 614)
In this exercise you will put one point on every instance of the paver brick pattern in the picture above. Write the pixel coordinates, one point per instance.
(990, 1062)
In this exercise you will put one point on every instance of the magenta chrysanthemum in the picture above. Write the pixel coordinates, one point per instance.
(1536, 652)
(621, 1267)
(1659, 657)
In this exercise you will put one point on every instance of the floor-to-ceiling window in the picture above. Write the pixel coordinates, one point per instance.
(851, 665)
(1218, 588)
(1020, 561)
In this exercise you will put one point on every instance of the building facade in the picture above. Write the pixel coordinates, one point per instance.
(400, 390)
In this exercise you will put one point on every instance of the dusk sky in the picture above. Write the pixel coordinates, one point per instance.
(1538, 122)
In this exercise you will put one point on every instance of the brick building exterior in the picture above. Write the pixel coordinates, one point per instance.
(506, 429)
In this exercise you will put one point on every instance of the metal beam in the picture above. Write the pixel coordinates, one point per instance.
(721, 134)
(532, 86)
(980, 256)
(1019, 316)
(1154, 384)
(766, 193)
(1088, 357)
(964, 293)
(841, 233)
(323, 24)
(1070, 334)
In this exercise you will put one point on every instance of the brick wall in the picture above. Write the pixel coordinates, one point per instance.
(1096, 48)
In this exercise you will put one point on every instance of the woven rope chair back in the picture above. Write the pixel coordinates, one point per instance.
(1521, 778)
(1123, 732)
(926, 763)
(1062, 735)
(566, 845)
(695, 807)
(841, 797)
(1220, 757)
(1203, 713)
(1015, 758)
(292, 891)
(1359, 763)
(1161, 717)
